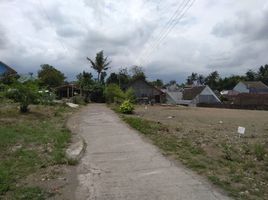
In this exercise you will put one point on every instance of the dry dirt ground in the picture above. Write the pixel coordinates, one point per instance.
(238, 164)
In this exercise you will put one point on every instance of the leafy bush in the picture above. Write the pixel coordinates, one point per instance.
(25, 94)
(126, 107)
(97, 93)
(78, 100)
(113, 94)
(130, 95)
(46, 97)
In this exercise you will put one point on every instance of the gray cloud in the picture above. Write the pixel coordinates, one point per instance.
(64, 33)
(245, 25)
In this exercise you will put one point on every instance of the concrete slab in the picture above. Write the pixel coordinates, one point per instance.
(119, 164)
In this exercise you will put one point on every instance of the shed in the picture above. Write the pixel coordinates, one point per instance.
(145, 92)
(67, 91)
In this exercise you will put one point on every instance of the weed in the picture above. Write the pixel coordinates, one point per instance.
(259, 151)
(30, 142)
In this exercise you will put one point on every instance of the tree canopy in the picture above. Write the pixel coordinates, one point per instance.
(50, 76)
(100, 64)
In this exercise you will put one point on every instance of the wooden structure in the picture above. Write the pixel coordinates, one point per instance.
(67, 91)
(145, 92)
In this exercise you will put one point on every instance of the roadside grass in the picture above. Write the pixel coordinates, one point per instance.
(240, 168)
(29, 142)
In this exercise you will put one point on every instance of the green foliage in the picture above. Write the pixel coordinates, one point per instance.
(126, 107)
(158, 83)
(25, 94)
(78, 100)
(113, 93)
(137, 73)
(26, 193)
(27, 144)
(8, 79)
(100, 64)
(130, 95)
(85, 80)
(97, 93)
(122, 78)
(113, 79)
(46, 97)
(50, 76)
(259, 151)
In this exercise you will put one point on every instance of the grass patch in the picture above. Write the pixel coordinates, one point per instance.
(29, 142)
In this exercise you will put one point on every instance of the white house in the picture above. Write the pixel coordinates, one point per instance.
(252, 87)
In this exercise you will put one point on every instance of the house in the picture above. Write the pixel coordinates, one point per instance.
(145, 92)
(173, 94)
(67, 91)
(199, 94)
(251, 87)
(5, 69)
(173, 97)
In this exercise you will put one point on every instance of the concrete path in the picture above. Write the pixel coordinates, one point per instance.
(119, 164)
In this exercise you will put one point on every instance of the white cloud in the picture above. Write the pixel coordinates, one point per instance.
(214, 35)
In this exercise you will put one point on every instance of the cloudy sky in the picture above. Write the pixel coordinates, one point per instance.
(225, 35)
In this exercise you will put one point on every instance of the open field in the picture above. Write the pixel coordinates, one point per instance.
(32, 150)
(206, 140)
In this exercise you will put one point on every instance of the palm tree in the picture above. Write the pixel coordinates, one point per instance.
(100, 64)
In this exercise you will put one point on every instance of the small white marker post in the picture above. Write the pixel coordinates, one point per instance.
(241, 130)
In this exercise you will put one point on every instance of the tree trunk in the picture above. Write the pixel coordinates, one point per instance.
(98, 76)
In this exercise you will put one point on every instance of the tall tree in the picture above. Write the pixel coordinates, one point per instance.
(251, 75)
(85, 80)
(212, 80)
(50, 76)
(158, 83)
(192, 78)
(263, 74)
(137, 73)
(100, 64)
(113, 79)
(200, 79)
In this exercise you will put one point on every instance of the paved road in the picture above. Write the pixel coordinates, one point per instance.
(119, 164)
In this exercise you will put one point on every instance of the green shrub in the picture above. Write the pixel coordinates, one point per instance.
(78, 100)
(130, 95)
(126, 107)
(46, 97)
(259, 151)
(25, 94)
(113, 94)
(97, 93)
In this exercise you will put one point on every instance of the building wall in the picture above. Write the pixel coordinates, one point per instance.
(142, 89)
(241, 88)
(207, 96)
(173, 97)
(2, 69)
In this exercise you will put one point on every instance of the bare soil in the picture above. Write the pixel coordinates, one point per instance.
(238, 164)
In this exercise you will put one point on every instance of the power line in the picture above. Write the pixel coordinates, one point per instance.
(167, 24)
(178, 17)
